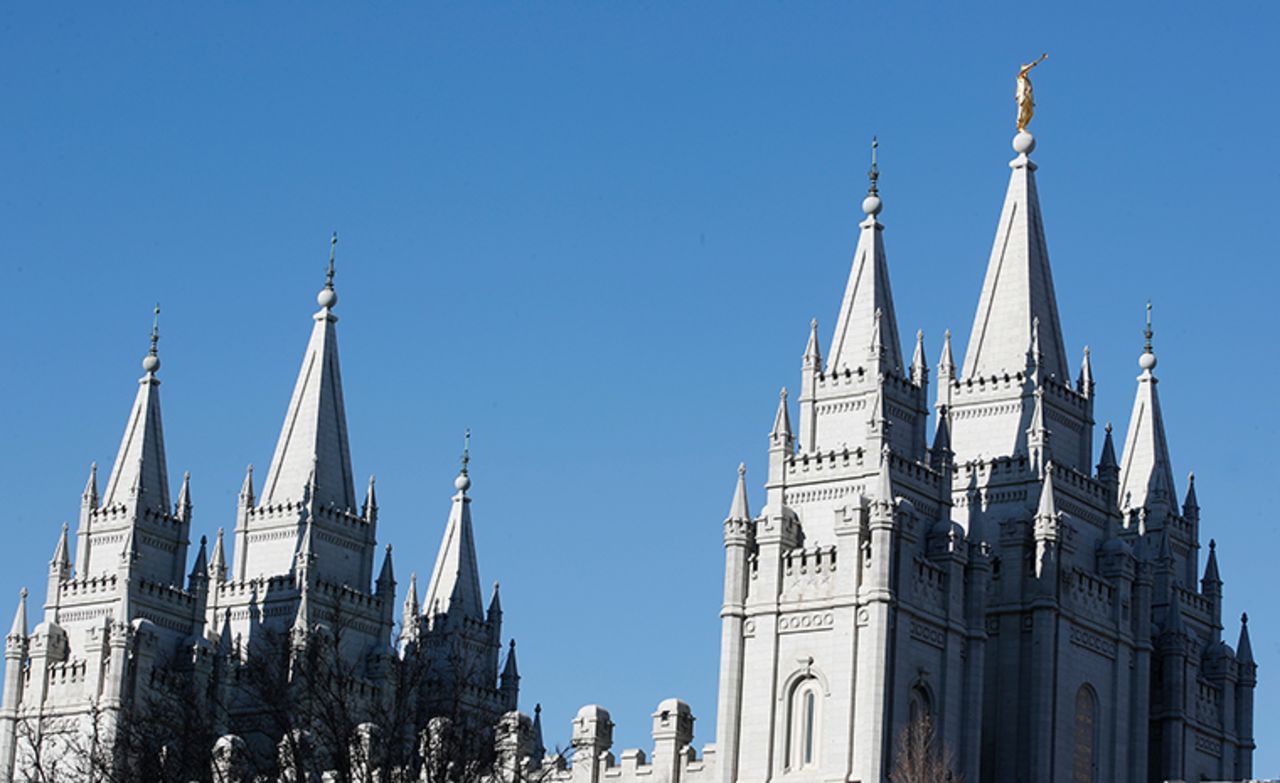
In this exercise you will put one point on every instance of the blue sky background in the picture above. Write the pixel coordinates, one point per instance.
(595, 233)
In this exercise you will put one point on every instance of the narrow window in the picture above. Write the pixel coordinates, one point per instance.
(803, 724)
(1083, 761)
(809, 707)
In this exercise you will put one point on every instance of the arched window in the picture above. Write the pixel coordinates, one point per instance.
(1084, 761)
(919, 705)
(804, 721)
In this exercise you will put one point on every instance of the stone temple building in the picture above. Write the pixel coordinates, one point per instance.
(1042, 598)
(128, 610)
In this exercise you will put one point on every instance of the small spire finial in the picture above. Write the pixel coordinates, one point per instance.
(874, 173)
(463, 482)
(1148, 359)
(742, 468)
(151, 362)
(333, 252)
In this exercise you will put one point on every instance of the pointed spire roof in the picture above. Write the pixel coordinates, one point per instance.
(919, 367)
(61, 553)
(946, 362)
(509, 669)
(1211, 574)
(1084, 384)
(140, 467)
(1048, 507)
(411, 607)
(1191, 505)
(200, 569)
(455, 580)
(1146, 475)
(247, 497)
(218, 560)
(812, 351)
(942, 436)
(884, 481)
(386, 577)
(370, 508)
(184, 494)
(538, 747)
(224, 637)
(1108, 459)
(1244, 649)
(1018, 287)
(495, 602)
(18, 630)
(867, 317)
(90, 495)
(781, 419)
(738, 509)
(314, 435)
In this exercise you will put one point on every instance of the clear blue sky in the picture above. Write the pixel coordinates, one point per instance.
(595, 233)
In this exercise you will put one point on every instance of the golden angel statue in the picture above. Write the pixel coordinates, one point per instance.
(1024, 94)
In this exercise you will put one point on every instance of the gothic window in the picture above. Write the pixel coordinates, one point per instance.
(804, 720)
(1084, 762)
(919, 705)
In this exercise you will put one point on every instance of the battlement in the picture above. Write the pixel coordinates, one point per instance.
(673, 759)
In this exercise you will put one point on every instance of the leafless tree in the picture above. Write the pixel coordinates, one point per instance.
(921, 756)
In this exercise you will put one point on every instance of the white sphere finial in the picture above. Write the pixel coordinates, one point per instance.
(1024, 143)
(462, 483)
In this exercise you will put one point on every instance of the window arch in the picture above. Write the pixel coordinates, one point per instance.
(1083, 753)
(919, 704)
(804, 724)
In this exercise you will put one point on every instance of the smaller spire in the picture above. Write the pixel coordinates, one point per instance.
(1244, 649)
(1191, 506)
(246, 489)
(812, 352)
(877, 344)
(200, 569)
(411, 600)
(509, 671)
(1211, 574)
(738, 509)
(781, 432)
(1085, 384)
(884, 481)
(18, 631)
(946, 364)
(218, 560)
(328, 298)
(225, 643)
(61, 561)
(151, 362)
(386, 577)
(1048, 507)
(495, 603)
(370, 510)
(539, 748)
(942, 436)
(129, 553)
(89, 497)
(919, 368)
(183, 506)
(1107, 462)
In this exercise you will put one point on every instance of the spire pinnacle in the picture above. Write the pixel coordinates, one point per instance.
(1085, 383)
(866, 292)
(218, 560)
(1146, 477)
(61, 554)
(455, 579)
(1048, 507)
(1244, 649)
(90, 495)
(781, 432)
(411, 599)
(1147, 361)
(738, 509)
(812, 351)
(386, 577)
(151, 362)
(884, 480)
(873, 174)
(18, 631)
(463, 482)
(919, 368)
(1211, 574)
(328, 297)
(246, 489)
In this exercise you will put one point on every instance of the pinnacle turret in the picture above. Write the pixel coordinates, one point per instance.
(18, 630)
(89, 498)
(1085, 383)
(386, 576)
(738, 509)
(1212, 578)
(369, 511)
(1146, 476)
(140, 474)
(1244, 648)
(183, 507)
(455, 580)
(780, 435)
(919, 367)
(218, 560)
(247, 496)
(61, 560)
(812, 351)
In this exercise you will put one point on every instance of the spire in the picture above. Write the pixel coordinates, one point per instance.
(370, 509)
(781, 432)
(495, 602)
(738, 509)
(1019, 285)
(455, 580)
(1048, 507)
(18, 631)
(183, 506)
(1085, 384)
(884, 481)
(509, 683)
(539, 748)
(812, 351)
(1244, 649)
(942, 439)
(1038, 434)
(1211, 575)
(919, 368)
(386, 577)
(510, 672)
(1191, 506)
(218, 561)
(140, 463)
(224, 637)
(247, 497)
(89, 498)
(411, 609)
(61, 561)
(1146, 477)
(859, 328)
(314, 435)
(946, 364)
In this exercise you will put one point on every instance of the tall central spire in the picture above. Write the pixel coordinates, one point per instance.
(867, 329)
(140, 470)
(314, 435)
(1018, 287)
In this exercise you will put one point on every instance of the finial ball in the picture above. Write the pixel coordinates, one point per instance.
(327, 297)
(151, 363)
(462, 483)
(1147, 361)
(872, 205)
(1024, 143)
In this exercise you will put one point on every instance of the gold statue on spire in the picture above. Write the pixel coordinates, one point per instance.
(1025, 95)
